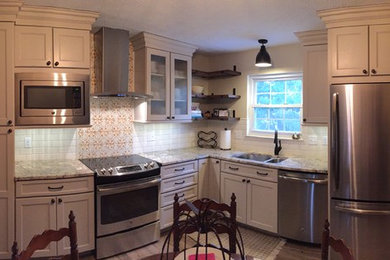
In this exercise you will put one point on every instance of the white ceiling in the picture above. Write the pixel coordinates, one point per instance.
(211, 25)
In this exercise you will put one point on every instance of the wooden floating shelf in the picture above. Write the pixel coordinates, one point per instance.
(220, 74)
(215, 98)
(217, 119)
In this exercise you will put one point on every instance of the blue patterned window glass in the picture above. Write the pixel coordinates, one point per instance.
(278, 105)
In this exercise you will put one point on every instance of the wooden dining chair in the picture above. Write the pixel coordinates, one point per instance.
(43, 240)
(337, 245)
(204, 217)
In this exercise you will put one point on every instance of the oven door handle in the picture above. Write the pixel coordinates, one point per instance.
(128, 186)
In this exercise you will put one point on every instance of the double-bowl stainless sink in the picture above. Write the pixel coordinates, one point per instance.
(258, 157)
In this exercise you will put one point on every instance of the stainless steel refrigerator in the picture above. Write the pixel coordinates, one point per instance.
(359, 172)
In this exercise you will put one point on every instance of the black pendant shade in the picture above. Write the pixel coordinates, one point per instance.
(263, 59)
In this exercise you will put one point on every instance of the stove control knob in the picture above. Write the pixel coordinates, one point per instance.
(151, 165)
(146, 165)
(103, 171)
(110, 171)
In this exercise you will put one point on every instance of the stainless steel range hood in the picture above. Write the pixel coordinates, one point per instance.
(112, 64)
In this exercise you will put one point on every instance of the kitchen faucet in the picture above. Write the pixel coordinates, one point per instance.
(278, 144)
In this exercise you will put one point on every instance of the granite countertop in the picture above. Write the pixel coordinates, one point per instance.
(182, 155)
(50, 169)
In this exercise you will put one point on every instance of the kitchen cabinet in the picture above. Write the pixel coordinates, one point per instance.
(256, 190)
(209, 179)
(51, 47)
(180, 178)
(7, 162)
(45, 204)
(162, 69)
(315, 76)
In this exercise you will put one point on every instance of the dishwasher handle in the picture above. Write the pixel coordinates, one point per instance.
(325, 181)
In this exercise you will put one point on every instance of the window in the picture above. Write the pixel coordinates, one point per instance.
(274, 102)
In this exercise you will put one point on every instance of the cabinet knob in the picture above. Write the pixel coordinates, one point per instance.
(59, 200)
(373, 71)
(168, 117)
(48, 63)
(304, 120)
(365, 71)
(9, 131)
(52, 201)
(173, 117)
(9, 122)
(216, 162)
(243, 180)
(56, 63)
(248, 181)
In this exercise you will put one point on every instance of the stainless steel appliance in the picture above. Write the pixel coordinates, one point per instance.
(360, 168)
(51, 99)
(127, 203)
(302, 205)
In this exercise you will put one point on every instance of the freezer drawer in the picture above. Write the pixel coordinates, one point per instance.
(363, 226)
(303, 205)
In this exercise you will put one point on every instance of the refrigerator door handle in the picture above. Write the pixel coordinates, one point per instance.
(335, 139)
(362, 211)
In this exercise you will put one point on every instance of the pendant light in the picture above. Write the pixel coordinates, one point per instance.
(263, 59)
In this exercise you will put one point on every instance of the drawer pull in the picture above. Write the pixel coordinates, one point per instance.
(177, 183)
(233, 168)
(262, 173)
(55, 188)
(179, 170)
(181, 196)
(243, 180)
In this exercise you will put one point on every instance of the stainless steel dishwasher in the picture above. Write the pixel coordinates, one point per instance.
(302, 205)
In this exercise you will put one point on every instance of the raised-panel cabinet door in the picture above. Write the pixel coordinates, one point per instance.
(262, 205)
(215, 179)
(33, 216)
(6, 191)
(237, 185)
(379, 50)
(180, 87)
(348, 48)
(71, 48)
(315, 84)
(33, 46)
(203, 182)
(83, 209)
(157, 84)
(6, 74)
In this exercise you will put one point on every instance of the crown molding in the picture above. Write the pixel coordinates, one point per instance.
(314, 37)
(356, 16)
(55, 17)
(9, 10)
(150, 40)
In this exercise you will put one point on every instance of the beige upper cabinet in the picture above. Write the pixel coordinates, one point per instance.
(348, 49)
(51, 47)
(6, 74)
(315, 76)
(379, 50)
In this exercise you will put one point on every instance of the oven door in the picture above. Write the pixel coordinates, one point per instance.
(128, 205)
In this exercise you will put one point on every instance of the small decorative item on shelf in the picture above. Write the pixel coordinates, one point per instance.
(207, 115)
(195, 111)
(207, 139)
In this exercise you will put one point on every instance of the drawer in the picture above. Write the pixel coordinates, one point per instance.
(166, 215)
(258, 172)
(179, 182)
(54, 187)
(179, 169)
(167, 198)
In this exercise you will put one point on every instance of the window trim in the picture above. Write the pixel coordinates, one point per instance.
(251, 104)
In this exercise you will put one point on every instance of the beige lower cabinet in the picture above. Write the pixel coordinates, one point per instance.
(180, 178)
(256, 191)
(36, 214)
(209, 179)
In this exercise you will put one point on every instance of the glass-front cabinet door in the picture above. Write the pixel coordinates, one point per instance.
(180, 87)
(158, 84)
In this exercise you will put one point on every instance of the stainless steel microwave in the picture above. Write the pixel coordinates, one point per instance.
(51, 99)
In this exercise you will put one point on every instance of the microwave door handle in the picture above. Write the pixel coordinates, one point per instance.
(112, 189)
(335, 131)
